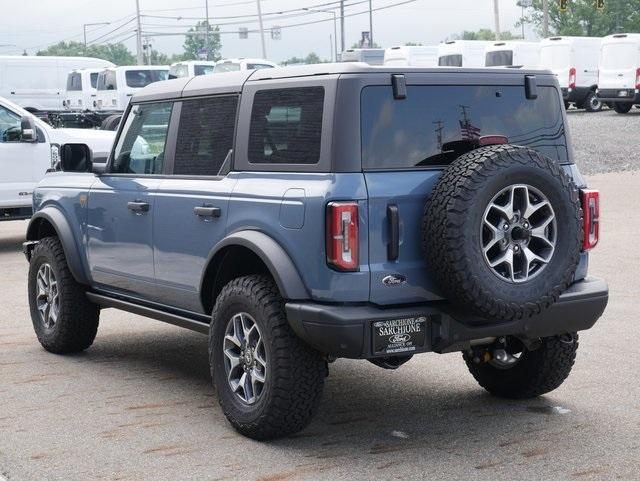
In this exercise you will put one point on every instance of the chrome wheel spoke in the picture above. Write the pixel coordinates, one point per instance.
(47, 296)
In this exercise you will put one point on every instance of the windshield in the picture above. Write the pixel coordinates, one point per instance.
(555, 57)
(621, 55)
(499, 58)
(202, 69)
(227, 67)
(427, 128)
(450, 61)
(138, 79)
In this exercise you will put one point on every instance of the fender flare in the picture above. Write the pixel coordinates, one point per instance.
(63, 230)
(278, 262)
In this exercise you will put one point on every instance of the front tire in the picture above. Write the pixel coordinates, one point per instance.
(269, 382)
(592, 103)
(64, 320)
(622, 107)
(534, 373)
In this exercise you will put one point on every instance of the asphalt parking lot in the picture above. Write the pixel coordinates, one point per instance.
(139, 403)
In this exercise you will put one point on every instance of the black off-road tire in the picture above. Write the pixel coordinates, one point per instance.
(452, 231)
(78, 318)
(295, 373)
(592, 103)
(537, 372)
(111, 122)
(622, 107)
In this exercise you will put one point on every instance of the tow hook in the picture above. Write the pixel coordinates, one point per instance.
(568, 338)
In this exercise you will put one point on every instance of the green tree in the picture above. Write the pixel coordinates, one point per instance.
(583, 19)
(195, 42)
(309, 59)
(483, 34)
(113, 52)
(357, 45)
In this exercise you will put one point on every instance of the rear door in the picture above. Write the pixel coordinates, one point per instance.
(618, 65)
(191, 206)
(406, 144)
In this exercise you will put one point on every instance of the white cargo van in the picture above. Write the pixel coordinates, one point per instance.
(512, 54)
(411, 56)
(38, 83)
(191, 68)
(235, 64)
(81, 89)
(574, 60)
(619, 76)
(462, 53)
(372, 56)
(117, 85)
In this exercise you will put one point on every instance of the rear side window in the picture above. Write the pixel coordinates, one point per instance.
(94, 79)
(202, 69)
(258, 66)
(178, 71)
(74, 82)
(286, 126)
(141, 145)
(499, 58)
(107, 80)
(450, 61)
(205, 135)
(142, 78)
(436, 124)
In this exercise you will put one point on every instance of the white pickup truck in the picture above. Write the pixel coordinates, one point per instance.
(28, 148)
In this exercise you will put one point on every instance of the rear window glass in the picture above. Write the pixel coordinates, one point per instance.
(74, 82)
(450, 61)
(436, 124)
(205, 135)
(226, 67)
(286, 126)
(499, 58)
(107, 80)
(142, 78)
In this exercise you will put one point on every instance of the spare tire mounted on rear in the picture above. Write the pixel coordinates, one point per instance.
(502, 231)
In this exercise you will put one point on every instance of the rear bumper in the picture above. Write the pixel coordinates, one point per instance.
(613, 95)
(576, 95)
(346, 331)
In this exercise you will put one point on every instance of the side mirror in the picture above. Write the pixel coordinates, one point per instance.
(76, 158)
(28, 132)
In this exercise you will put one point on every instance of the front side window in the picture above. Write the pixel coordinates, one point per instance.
(138, 79)
(74, 82)
(258, 66)
(10, 130)
(205, 135)
(141, 146)
(286, 126)
(450, 61)
(436, 124)
(226, 67)
(499, 58)
(202, 69)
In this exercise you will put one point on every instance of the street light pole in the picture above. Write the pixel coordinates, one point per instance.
(206, 40)
(140, 59)
(496, 18)
(84, 30)
(264, 48)
(370, 25)
(335, 28)
(341, 25)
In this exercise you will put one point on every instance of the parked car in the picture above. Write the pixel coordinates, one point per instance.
(462, 53)
(574, 60)
(411, 56)
(81, 89)
(512, 54)
(237, 64)
(304, 214)
(191, 68)
(28, 148)
(619, 74)
(38, 84)
(372, 56)
(117, 85)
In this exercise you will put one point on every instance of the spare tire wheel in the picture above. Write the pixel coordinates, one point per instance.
(502, 232)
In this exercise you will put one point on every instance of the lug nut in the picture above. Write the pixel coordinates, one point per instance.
(505, 227)
(516, 248)
(525, 225)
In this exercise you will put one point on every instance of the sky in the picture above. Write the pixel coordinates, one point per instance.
(33, 25)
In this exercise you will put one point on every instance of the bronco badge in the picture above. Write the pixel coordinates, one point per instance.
(394, 280)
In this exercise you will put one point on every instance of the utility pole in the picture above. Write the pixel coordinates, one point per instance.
(341, 25)
(335, 29)
(496, 18)
(545, 18)
(139, 55)
(371, 25)
(206, 39)
(264, 47)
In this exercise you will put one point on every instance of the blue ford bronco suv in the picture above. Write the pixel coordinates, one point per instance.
(303, 214)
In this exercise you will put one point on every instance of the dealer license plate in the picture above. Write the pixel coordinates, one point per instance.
(397, 336)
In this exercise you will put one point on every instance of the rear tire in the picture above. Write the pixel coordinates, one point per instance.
(622, 107)
(537, 372)
(288, 374)
(64, 320)
(592, 103)
(111, 122)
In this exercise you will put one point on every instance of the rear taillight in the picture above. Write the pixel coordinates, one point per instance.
(342, 235)
(638, 78)
(590, 218)
(572, 78)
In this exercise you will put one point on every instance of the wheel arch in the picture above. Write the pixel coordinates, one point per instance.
(50, 221)
(249, 252)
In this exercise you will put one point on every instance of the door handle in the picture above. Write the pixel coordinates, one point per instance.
(393, 247)
(138, 206)
(207, 211)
